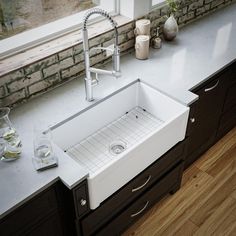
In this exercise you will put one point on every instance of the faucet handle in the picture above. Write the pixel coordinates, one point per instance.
(95, 81)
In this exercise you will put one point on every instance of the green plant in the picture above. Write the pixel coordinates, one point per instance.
(173, 6)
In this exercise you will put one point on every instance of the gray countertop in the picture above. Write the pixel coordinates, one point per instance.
(200, 50)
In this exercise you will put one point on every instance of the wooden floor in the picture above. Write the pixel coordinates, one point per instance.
(206, 203)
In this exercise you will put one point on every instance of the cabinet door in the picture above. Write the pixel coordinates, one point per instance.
(228, 117)
(29, 214)
(50, 227)
(42, 215)
(206, 116)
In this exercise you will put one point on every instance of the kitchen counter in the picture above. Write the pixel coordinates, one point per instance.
(201, 49)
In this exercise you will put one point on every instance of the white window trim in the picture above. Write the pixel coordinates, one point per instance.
(47, 32)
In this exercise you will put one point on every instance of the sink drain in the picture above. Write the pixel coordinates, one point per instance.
(117, 147)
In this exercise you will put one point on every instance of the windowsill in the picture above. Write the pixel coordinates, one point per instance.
(47, 49)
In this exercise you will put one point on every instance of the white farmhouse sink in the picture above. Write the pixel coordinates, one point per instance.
(121, 135)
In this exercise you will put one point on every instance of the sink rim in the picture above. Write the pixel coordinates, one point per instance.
(95, 103)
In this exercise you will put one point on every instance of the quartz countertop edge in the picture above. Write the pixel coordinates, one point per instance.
(201, 49)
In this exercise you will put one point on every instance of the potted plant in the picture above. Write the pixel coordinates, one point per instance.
(171, 28)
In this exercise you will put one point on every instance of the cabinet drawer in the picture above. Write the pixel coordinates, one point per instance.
(81, 199)
(140, 207)
(134, 188)
(29, 214)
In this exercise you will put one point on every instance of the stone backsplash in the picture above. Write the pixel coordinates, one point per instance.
(32, 80)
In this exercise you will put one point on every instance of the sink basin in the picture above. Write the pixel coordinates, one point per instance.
(118, 137)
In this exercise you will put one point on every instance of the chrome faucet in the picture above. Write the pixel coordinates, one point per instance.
(89, 82)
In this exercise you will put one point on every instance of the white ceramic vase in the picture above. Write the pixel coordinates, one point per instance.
(170, 28)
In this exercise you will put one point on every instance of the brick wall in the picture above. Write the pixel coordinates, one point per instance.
(35, 79)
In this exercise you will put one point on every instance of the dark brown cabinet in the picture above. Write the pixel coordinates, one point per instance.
(48, 213)
(49, 227)
(119, 211)
(205, 117)
(135, 210)
(228, 116)
(213, 115)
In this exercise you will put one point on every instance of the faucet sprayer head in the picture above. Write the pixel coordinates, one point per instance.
(100, 12)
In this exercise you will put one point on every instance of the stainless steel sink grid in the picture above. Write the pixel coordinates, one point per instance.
(93, 152)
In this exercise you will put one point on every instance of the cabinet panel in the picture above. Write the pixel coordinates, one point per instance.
(48, 213)
(227, 122)
(233, 77)
(134, 188)
(139, 207)
(228, 116)
(230, 100)
(29, 214)
(81, 199)
(207, 114)
(50, 227)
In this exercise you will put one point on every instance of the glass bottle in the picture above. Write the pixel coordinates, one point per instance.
(10, 143)
(156, 40)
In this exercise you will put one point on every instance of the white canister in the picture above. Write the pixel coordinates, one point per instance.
(142, 47)
(142, 27)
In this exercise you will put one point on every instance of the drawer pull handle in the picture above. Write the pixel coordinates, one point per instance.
(83, 202)
(211, 88)
(141, 186)
(140, 211)
(192, 120)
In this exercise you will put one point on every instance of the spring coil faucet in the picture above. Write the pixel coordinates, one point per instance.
(116, 53)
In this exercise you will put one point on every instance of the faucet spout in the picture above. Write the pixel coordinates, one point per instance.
(116, 53)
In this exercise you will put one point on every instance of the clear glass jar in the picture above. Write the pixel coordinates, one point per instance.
(44, 156)
(10, 143)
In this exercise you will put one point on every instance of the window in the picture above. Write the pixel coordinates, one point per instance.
(26, 23)
(21, 15)
(157, 2)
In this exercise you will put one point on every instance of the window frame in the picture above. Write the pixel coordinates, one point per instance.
(61, 27)
(56, 29)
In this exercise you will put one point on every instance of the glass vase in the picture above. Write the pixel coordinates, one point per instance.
(10, 143)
